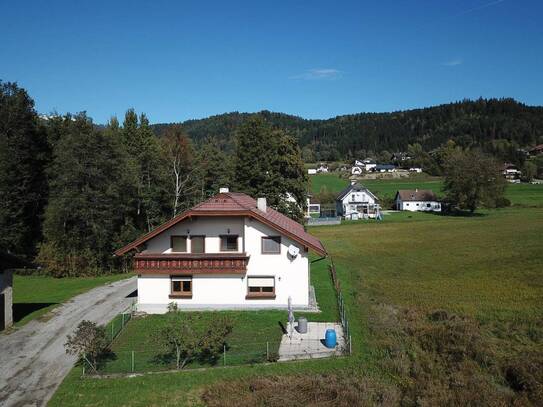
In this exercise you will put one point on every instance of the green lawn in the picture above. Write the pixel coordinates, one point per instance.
(433, 301)
(255, 335)
(34, 296)
(331, 181)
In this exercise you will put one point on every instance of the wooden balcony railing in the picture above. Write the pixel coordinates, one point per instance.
(189, 263)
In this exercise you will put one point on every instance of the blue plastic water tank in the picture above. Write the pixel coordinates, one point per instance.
(330, 340)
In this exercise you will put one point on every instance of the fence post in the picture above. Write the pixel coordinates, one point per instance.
(350, 345)
(224, 355)
(123, 321)
(132, 361)
(267, 351)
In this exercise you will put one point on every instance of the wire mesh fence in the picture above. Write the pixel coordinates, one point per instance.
(155, 360)
(342, 309)
(117, 324)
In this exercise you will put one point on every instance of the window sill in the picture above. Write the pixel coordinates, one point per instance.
(260, 297)
(180, 295)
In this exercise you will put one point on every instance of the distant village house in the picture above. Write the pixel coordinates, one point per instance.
(416, 200)
(357, 202)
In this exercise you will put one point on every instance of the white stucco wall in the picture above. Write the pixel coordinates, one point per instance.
(229, 291)
(418, 206)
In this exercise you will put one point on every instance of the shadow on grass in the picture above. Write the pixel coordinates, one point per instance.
(22, 309)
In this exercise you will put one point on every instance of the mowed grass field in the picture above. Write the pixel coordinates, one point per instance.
(443, 311)
(35, 295)
(519, 194)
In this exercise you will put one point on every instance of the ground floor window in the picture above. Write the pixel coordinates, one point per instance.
(260, 287)
(181, 287)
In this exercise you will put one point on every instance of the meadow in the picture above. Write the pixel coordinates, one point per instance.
(443, 310)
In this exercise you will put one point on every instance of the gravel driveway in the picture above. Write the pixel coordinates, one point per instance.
(33, 361)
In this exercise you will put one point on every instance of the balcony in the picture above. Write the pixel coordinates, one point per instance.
(190, 263)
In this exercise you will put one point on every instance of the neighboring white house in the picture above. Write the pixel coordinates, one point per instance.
(311, 171)
(511, 172)
(356, 170)
(357, 202)
(229, 252)
(415, 169)
(416, 200)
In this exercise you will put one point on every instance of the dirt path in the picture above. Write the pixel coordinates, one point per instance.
(32, 359)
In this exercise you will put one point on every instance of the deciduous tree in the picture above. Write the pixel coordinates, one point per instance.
(473, 179)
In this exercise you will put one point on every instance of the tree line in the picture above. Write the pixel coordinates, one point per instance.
(71, 192)
(499, 127)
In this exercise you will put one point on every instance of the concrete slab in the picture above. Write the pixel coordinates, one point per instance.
(311, 344)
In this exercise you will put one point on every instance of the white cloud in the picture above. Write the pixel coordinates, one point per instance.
(318, 74)
(453, 62)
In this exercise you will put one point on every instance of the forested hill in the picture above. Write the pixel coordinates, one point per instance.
(488, 123)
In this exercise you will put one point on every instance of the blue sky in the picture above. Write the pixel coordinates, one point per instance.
(176, 60)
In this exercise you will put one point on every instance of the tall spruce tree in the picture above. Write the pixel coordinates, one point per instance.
(24, 154)
(215, 168)
(149, 171)
(268, 164)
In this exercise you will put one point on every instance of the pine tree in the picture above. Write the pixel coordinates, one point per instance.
(148, 169)
(215, 168)
(268, 164)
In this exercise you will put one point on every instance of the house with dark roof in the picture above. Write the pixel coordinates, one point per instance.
(228, 252)
(415, 200)
(357, 202)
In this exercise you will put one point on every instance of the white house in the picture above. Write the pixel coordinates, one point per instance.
(229, 252)
(511, 172)
(416, 200)
(322, 168)
(415, 169)
(311, 171)
(356, 170)
(357, 202)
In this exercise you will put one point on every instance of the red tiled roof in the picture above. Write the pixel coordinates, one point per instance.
(237, 204)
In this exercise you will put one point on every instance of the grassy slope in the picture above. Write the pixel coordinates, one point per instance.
(37, 295)
(488, 267)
